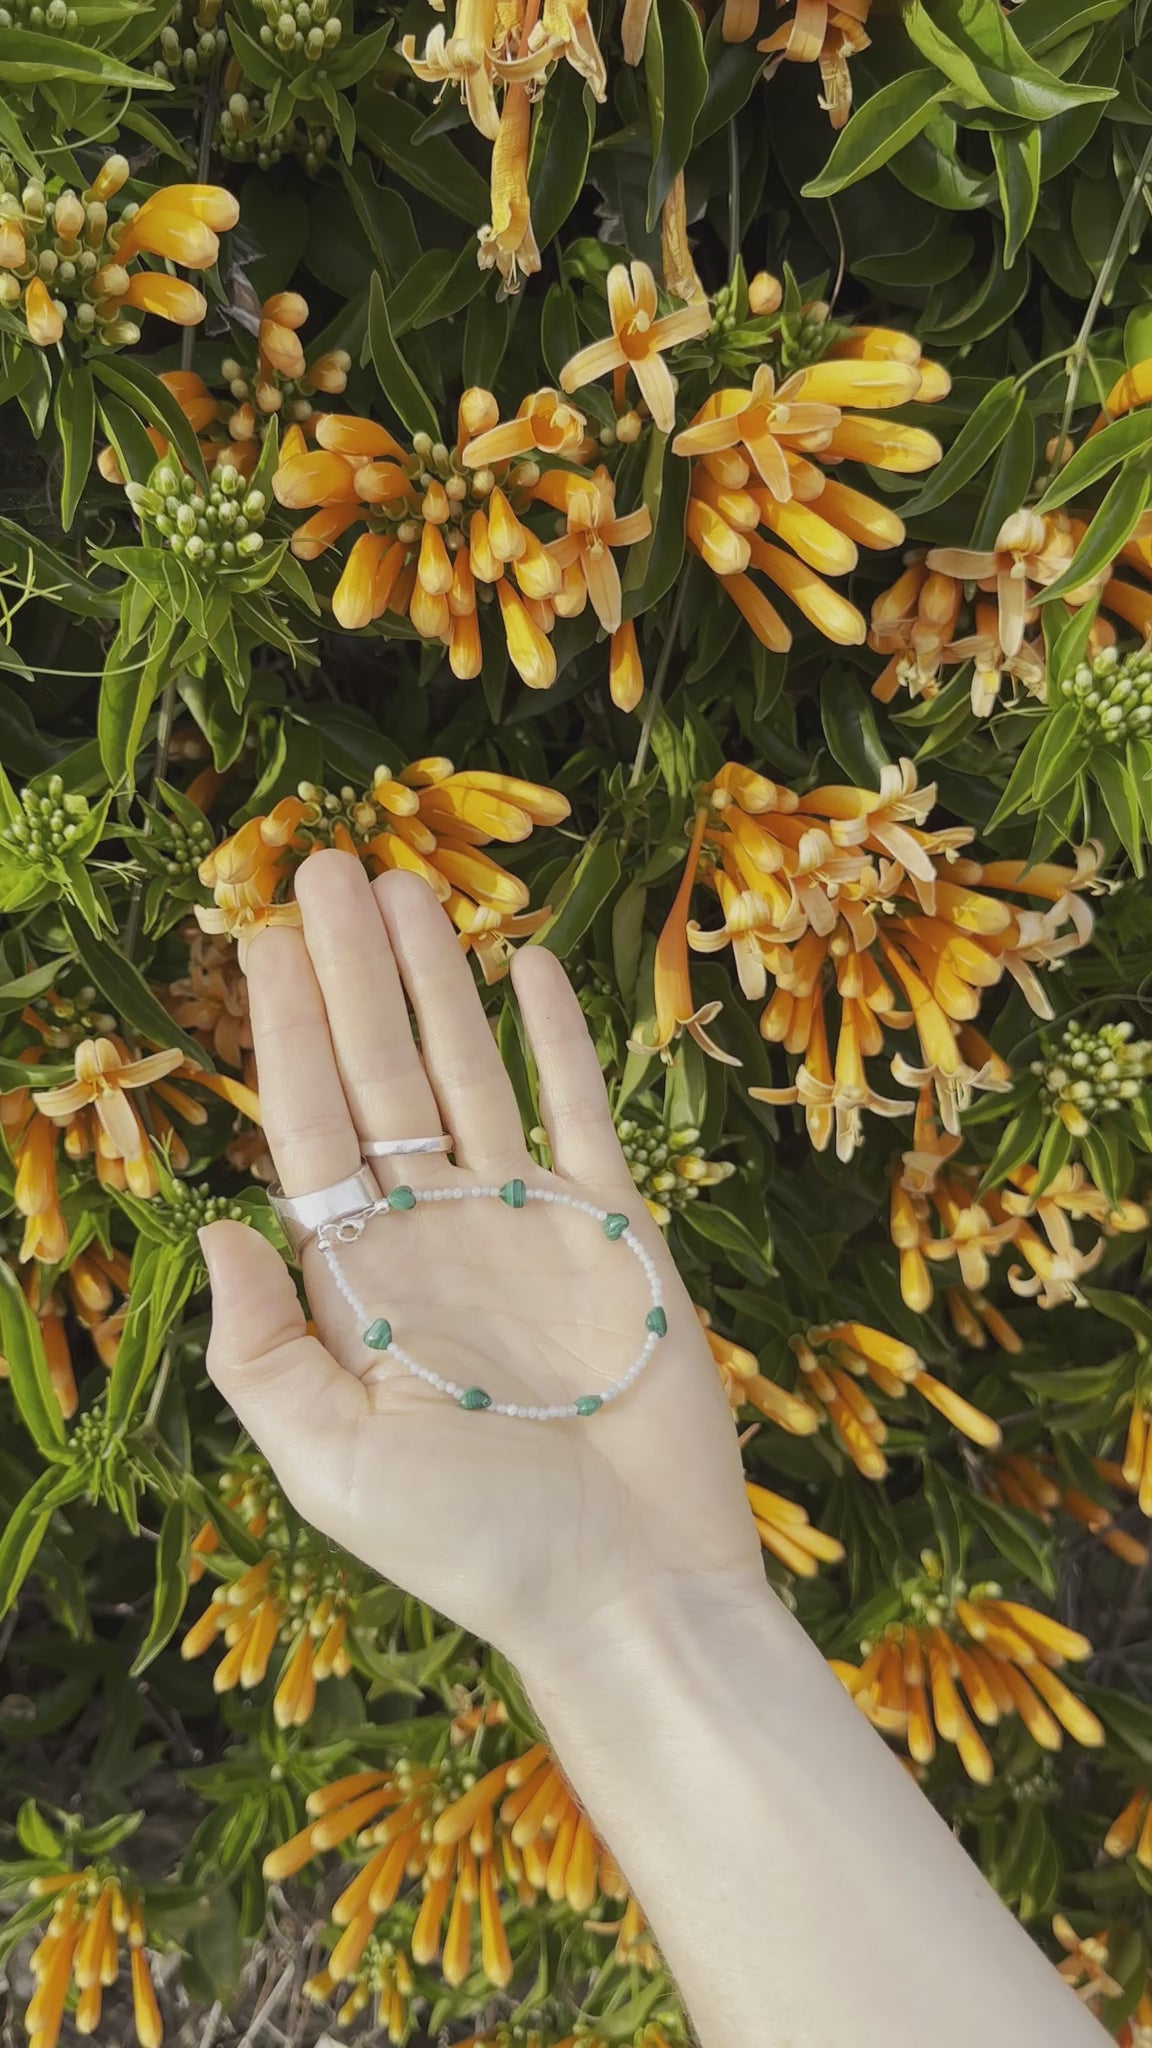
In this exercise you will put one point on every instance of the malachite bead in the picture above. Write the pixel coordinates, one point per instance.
(615, 1225)
(402, 1198)
(656, 1320)
(475, 1397)
(514, 1193)
(587, 1404)
(378, 1335)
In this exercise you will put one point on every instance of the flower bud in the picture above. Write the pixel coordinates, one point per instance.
(143, 500)
(113, 173)
(13, 248)
(112, 281)
(765, 294)
(68, 217)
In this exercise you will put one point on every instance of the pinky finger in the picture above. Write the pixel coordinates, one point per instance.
(573, 1101)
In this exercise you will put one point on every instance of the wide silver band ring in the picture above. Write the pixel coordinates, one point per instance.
(300, 1216)
(398, 1148)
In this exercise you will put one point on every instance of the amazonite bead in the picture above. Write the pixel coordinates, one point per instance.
(513, 1192)
(378, 1335)
(587, 1404)
(475, 1397)
(656, 1320)
(402, 1198)
(615, 1225)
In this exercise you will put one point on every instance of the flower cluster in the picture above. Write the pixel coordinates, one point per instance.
(278, 381)
(823, 32)
(1040, 1490)
(1005, 1657)
(296, 1598)
(192, 41)
(92, 1911)
(217, 528)
(939, 1214)
(1113, 695)
(843, 893)
(87, 1291)
(450, 532)
(499, 58)
(498, 1840)
(668, 1165)
(833, 1361)
(1087, 1074)
(760, 460)
(430, 818)
(67, 263)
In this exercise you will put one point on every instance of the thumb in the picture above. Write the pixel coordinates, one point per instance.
(285, 1388)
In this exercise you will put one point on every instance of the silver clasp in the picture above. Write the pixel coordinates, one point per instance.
(349, 1229)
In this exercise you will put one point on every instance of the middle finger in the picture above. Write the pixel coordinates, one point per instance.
(384, 1082)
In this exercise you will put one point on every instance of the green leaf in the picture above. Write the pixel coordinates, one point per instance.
(974, 446)
(947, 1527)
(1121, 795)
(1020, 1539)
(562, 130)
(718, 1226)
(23, 1347)
(1017, 160)
(655, 563)
(27, 1525)
(34, 1833)
(884, 123)
(433, 165)
(1111, 526)
(1010, 480)
(29, 58)
(1017, 1145)
(163, 1277)
(132, 677)
(127, 992)
(171, 1587)
(973, 44)
(590, 882)
(75, 412)
(1101, 452)
(24, 988)
(404, 393)
(677, 80)
(1043, 25)
(849, 723)
(141, 390)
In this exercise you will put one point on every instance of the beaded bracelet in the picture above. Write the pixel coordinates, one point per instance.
(515, 1194)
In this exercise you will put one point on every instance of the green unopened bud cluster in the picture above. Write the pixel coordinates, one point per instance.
(68, 1019)
(1113, 694)
(68, 240)
(243, 137)
(185, 846)
(48, 825)
(192, 41)
(57, 18)
(219, 529)
(191, 1207)
(668, 1165)
(300, 28)
(1087, 1074)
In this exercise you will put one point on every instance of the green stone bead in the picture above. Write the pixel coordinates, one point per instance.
(475, 1397)
(656, 1320)
(615, 1225)
(402, 1198)
(378, 1335)
(514, 1193)
(587, 1404)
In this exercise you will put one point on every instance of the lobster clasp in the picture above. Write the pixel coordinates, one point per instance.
(345, 1229)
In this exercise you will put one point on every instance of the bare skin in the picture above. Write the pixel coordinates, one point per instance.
(803, 1891)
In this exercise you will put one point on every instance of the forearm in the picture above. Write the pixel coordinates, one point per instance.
(802, 1889)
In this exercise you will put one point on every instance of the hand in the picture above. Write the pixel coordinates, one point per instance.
(519, 1530)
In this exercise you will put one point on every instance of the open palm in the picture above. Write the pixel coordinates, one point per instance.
(513, 1527)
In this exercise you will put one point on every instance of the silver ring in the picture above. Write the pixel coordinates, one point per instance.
(396, 1148)
(300, 1216)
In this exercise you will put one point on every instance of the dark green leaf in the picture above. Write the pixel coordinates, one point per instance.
(562, 131)
(141, 390)
(401, 388)
(433, 166)
(655, 563)
(75, 412)
(849, 723)
(171, 1588)
(878, 128)
(1110, 527)
(1017, 159)
(1096, 456)
(677, 80)
(974, 446)
(127, 992)
(23, 1347)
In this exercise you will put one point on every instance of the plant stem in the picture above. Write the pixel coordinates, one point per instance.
(658, 682)
(1102, 286)
(733, 198)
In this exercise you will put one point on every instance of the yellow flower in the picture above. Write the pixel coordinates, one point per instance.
(181, 222)
(593, 529)
(834, 1359)
(784, 1529)
(104, 1075)
(823, 32)
(1003, 1655)
(746, 1386)
(43, 314)
(543, 421)
(507, 241)
(248, 875)
(170, 298)
(516, 1830)
(765, 422)
(625, 673)
(672, 981)
(637, 342)
(1028, 550)
(91, 1912)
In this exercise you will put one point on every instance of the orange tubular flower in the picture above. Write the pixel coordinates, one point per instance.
(1002, 1655)
(745, 1385)
(43, 315)
(517, 1830)
(675, 1010)
(96, 1112)
(181, 222)
(1029, 551)
(637, 342)
(800, 881)
(625, 673)
(507, 242)
(170, 298)
(449, 529)
(834, 1360)
(248, 875)
(784, 1529)
(823, 32)
(90, 1914)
